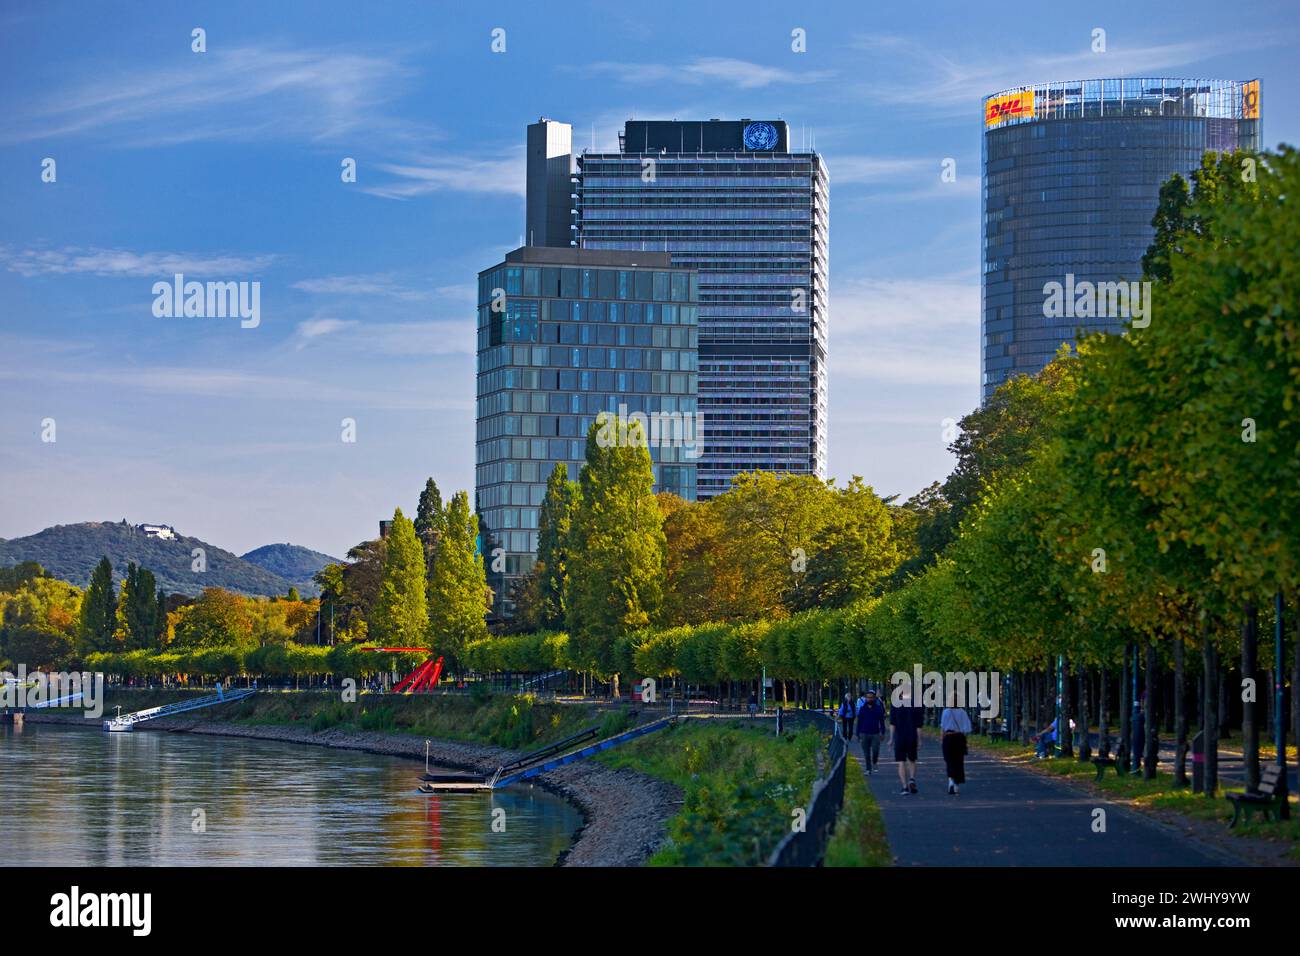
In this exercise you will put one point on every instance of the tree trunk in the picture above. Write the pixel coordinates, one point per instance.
(1065, 735)
(1210, 714)
(1180, 713)
(1152, 755)
(1125, 755)
(1103, 719)
(1249, 701)
(1085, 745)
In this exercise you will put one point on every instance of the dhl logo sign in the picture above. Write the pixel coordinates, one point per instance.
(1250, 100)
(1009, 106)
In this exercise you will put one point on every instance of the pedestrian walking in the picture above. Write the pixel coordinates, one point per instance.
(871, 727)
(905, 736)
(954, 725)
(846, 717)
(753, 705)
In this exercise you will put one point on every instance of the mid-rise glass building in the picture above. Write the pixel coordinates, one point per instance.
(564, 335)
(1072, 174)
(733, 201)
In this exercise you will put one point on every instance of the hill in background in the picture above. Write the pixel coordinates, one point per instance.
(292, 562)
(71, 551)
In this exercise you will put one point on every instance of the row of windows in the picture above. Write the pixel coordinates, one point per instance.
(679, 383)
(565, 283)
(587, 358)
(673, 424)
(499, 403)
(523, 327)
(613, 313)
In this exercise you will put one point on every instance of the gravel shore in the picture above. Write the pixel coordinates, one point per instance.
(625, 813)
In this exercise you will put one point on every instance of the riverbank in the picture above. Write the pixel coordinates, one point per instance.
(625, 812)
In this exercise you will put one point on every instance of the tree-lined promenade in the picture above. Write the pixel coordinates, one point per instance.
(1121, 528)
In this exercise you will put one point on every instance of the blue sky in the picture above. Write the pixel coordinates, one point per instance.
(225, 165)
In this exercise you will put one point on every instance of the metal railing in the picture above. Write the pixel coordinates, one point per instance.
(805, 847)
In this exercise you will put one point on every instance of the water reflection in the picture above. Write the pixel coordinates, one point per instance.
(79, 797)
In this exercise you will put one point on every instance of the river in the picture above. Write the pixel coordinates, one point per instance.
(77, 797)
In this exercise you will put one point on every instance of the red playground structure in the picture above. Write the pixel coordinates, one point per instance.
(421, 680)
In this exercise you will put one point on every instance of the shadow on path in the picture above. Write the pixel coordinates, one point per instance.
(1009, 816)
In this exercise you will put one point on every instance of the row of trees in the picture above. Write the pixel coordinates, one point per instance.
(1130, 515)
(422, 585)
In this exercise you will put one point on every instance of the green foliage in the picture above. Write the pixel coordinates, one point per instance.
(554, 531)
(401, 615)
(99, 609)
(616, 558)
(458, 592)
(740, 784)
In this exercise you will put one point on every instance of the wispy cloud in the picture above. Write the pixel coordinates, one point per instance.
(241, 93)
(398, 339)
(931, 79)
(921, 331)
(467, 174)
(71, 260)
(712, 70)
(376, 284)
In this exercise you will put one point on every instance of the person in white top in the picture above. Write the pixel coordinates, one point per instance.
(954, 724)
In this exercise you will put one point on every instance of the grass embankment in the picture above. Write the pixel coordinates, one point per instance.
(1160, 793)
(517, 722)
(742, 784)
(859, 837)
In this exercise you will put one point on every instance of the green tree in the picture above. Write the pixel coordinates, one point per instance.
(616, 559)
(555, 525)
(401, 615)
(99, 609)
(137, 610)
(458, 593)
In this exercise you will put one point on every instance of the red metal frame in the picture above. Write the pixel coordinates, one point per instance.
(421, 680)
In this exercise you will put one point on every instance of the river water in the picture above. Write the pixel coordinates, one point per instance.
(77, 797)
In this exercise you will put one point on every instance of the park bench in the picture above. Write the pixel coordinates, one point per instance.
(997, 730)
(1266, 799)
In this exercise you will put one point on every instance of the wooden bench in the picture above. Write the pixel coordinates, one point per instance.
(1266, 800)
(1101, 763)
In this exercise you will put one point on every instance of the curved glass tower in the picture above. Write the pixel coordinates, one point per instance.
(1072, 175)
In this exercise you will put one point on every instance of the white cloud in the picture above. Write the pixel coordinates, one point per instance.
(238, 93)
(741, 74)
(467, 174)
(906, 331)
(930, 79)
(69, 260)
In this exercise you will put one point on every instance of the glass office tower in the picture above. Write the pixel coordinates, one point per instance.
(733, 201)
(564, 335)
(1072, 175)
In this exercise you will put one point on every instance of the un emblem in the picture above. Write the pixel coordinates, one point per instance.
(760, 136)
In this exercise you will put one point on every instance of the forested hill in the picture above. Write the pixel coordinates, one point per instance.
(71, 551)
(292, 562)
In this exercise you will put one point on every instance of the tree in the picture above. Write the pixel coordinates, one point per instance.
(616, 560)
(218, 618)
(99, 609)
(854, 551)
(138, 625)
(459, 598)
(555, 525)
(401, 613)
(429, 514)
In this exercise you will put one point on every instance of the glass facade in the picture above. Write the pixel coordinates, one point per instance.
(562, 337)
(1072, 175)
(753, 222)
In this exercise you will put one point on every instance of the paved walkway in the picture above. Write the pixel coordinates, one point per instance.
(1010, 816)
